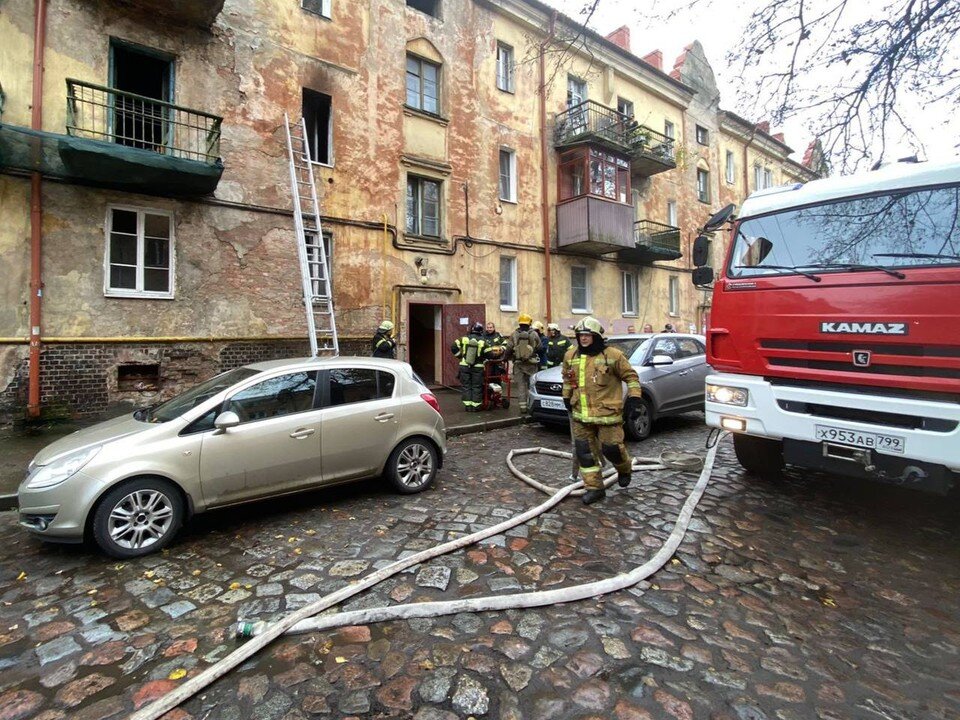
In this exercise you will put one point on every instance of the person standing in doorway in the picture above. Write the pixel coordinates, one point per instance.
(383, 345)
(471, 349)
(523, 347)
(593, 376)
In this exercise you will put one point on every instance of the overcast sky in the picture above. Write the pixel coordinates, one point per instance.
(717, 27)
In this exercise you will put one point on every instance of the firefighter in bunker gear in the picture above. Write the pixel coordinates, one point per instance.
(592, 391)
(556, 345)
(472, 350)
(383, 345)
(523, 347)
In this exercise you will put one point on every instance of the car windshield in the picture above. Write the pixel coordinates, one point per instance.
(175, 407)
(905, 228)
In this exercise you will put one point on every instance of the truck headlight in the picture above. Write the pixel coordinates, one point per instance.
(726, 395)
(62, 468)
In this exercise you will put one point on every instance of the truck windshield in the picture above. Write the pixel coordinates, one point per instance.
(901, 229)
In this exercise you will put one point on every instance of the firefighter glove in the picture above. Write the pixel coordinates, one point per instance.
(632, 405)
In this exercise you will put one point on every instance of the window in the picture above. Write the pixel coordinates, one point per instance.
(730, 169)
(508, 283)
(504, 67)
(669, 129)
(703, 136)
(762, 177)
(674, 301)
(314, 264)
(317, 7)
(423, 206)
(423, 85)
(624, 107)
(672, 213)
(579, 289)
(629, 293)
(139, 257)
(136, 121)
(508, 175)
(282, 395)
(430, 7)
(576, 91)
(609, 175)
(354, 385)
(666, 346)
(703, 186)
(317, 119)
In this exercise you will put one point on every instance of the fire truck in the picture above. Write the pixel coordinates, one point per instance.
(834, 331)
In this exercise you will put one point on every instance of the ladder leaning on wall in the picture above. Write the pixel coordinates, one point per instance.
(314, 270)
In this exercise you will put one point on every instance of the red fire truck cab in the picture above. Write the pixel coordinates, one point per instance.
(835, 326)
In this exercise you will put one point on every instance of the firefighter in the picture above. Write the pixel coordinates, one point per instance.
(383, 345)
(495, 348)
(472, 351)
(523, 347)
(556, 346)
(592, 392)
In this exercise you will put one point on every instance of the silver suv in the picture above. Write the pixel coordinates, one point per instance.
(266, 429)
(672, 369)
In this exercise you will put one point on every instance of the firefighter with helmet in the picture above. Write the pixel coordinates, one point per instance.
(383, 345)
(472, 350)
(556, 346)
(593, 375)
(523, 348)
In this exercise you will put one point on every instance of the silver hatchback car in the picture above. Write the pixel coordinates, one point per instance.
(672, 369)
(260, 430)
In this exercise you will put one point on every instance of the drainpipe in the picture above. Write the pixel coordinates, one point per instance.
(544, 154)
(36, 215)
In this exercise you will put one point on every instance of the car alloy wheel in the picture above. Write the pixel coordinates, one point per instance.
(137, 518)
(639, 424)
(412, 465)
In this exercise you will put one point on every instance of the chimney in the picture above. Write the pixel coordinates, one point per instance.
(654, 58)
(809, 154)
(779, 136)
(620, 37)
(764, 126)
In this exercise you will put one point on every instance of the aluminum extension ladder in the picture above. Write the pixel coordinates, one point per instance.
(314, 269)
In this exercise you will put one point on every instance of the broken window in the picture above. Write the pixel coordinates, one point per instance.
(317, 116)
(141, 75)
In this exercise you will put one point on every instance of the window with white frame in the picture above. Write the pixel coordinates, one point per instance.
(624, 107)
(674, 301)
(579, 289)
(762, 177)
(139, 253)
(576, 91)
(508, 283)
(628, 287)
(730, 168)
(317, 116)
(315, 264)
(317, 7)
(423, 206)
(423, 85)
(703, 186)
(672, 213)
(504, 67)
(508, 175)
(669, 129)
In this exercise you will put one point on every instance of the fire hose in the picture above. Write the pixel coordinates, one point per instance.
(303, 620)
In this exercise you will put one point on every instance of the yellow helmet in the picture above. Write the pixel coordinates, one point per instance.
(524, 319)
(589, 325)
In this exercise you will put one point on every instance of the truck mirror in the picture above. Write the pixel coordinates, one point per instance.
(717, 220)
(703, 276)
(701, 251)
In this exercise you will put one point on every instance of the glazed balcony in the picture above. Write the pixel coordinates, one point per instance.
(652, 241)
(591, 123)
(594, 225)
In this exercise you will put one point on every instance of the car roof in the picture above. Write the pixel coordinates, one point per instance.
(324, 362)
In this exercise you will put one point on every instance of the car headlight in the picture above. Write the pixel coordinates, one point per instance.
(62, 468)
(726, 395)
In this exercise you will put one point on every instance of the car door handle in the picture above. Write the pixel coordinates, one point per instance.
(383, 417)
(683, 372)
(301, 433)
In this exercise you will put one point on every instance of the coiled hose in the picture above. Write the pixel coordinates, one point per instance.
(303, 620)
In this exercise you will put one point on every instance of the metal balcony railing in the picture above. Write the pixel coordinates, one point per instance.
(102, 113)
(595, 122)
(658, 236)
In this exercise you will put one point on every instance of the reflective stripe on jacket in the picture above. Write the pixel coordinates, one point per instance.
(592, 383)
(459, 348)
(556, 349)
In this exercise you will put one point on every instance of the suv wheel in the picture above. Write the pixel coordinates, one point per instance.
(759, 456)
(412, 466)
(137, 518)
(638, 425)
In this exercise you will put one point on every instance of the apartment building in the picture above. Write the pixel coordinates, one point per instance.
(146, 234)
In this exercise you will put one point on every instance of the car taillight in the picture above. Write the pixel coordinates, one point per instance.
(431, 400)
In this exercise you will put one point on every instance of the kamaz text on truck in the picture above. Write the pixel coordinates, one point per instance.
(834, 331)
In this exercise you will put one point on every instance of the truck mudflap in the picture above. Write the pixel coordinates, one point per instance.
(868, 465)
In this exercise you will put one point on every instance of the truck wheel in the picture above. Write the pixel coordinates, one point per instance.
(638, 425)
(759, 456)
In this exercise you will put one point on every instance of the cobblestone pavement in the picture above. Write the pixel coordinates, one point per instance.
(804, 599)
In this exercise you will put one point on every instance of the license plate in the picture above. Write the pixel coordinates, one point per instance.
(548, 404)
(890, 444)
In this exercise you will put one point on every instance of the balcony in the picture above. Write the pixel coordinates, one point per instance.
(194, 13)
(591, 123)
(652, 241)
(595, 226)
(122, 141)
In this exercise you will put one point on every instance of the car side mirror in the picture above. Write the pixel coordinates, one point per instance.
(226, 420)
(702, 276)
(657, 360)
(701, 251)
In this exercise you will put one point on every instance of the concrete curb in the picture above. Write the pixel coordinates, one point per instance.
(8, 502)
(485, 425)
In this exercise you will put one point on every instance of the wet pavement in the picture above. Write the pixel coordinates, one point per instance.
(809, 598)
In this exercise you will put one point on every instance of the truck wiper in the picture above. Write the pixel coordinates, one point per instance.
(859, 266)
(918, 255)
(789, 268)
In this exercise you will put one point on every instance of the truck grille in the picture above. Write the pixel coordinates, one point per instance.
(870, 417)
(549, 388)
(891, 361)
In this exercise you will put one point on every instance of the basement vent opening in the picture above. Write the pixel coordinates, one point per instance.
(139, 377)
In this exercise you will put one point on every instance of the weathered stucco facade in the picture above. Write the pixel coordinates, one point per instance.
(235, 293)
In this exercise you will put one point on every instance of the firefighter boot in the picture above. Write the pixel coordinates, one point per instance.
(592, 496)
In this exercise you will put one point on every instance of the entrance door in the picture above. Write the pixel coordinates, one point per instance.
(137, 122)
(423, 353)
(457, 320)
